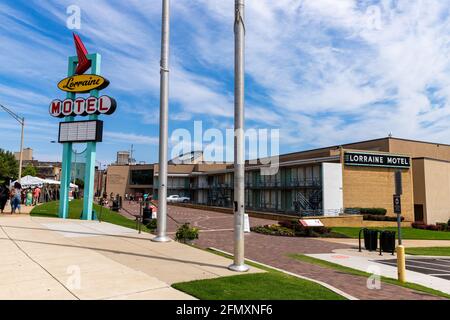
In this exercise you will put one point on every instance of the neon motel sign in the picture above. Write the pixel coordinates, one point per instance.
(82, 83)
(82, 107)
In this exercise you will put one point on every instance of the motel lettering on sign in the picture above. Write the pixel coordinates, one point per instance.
(376, 160)
(82, 106)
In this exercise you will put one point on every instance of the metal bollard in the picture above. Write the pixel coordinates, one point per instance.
(401, 271)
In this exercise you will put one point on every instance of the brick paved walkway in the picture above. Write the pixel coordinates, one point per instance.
(274, 250)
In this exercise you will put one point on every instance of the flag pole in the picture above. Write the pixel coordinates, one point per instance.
(163, 126)
(239, 146)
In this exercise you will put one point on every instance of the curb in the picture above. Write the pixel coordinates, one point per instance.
(326, 285)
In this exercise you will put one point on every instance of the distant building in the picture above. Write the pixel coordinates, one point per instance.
(193, 157)
(330, 181)
(99, 182)
(123, 158)
(45, 169)
(27, 154)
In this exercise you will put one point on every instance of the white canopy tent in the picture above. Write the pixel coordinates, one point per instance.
(30, 181)
(50, 181)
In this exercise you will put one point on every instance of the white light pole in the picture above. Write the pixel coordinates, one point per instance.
(239, 146)
(21, 121)
(163, 126)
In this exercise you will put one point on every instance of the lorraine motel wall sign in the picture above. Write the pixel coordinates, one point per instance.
(376, 160)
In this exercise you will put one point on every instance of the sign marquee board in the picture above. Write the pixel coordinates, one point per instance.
(376, 160)
(81, 131)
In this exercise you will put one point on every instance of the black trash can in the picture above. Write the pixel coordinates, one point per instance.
(387, 241)
(370, 239)
(115, 206)
(146, 215)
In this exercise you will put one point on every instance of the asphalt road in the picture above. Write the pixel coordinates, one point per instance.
(436, 267)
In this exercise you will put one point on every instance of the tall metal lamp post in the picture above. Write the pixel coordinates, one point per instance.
(239, 146)
(21, 121)
(163, 126)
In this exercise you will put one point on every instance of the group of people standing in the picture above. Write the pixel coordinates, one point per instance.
(18, 196)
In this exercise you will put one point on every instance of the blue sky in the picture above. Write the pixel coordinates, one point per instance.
(324, 72)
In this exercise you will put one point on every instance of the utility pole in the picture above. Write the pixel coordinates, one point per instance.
(163, 126)
(239, 146)
(21, 121)
(22, 124)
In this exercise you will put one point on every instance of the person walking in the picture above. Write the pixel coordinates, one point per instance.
(29, 197)
(4, 196)
(36, 195)
(16, 197)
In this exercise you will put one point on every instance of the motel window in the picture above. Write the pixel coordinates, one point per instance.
(294, 173)
(301, 173)
(141, 177)
(317, 173)
(309, 173)
(279, 200)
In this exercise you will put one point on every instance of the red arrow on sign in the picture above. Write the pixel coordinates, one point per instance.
(83, 62)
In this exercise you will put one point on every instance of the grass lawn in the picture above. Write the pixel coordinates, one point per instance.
(270, 285)
(50, 209)
(430, 251)
(407, 233)
(335, 266)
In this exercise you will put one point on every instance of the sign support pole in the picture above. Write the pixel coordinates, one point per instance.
(91, 151)
(163, 126)
(67, 155)
(239, 143)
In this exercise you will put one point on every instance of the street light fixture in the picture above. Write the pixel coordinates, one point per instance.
(21, 121)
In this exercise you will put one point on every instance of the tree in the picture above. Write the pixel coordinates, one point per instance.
(9, 166)
(79, 183)
(29, 170)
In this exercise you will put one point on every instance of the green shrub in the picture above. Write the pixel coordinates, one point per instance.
(274, 230)
(374, 217)
(292, 228)
(152, 224)
(423, 226)
(186, 233)
(373, 211)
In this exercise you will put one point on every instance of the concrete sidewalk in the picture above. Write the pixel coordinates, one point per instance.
(24, 210)
(44, 258)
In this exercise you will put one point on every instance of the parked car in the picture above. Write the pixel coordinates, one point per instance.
(177, 198)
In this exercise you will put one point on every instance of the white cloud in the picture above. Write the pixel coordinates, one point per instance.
(324, 71)
(129, 138)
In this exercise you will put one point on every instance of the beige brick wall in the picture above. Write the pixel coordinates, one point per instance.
(371, 187)
(437, 189)
(117, 180)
